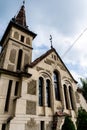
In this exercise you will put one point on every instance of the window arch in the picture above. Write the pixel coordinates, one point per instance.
(20, 53)
(66, 96)
(56, 85)
(71, 97)
(40, 91)
(48, 94)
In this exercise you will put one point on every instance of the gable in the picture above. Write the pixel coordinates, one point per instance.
(50, 60)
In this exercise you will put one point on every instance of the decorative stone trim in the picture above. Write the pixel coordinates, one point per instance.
(26, 59)
(49, 62)
(67, 79)
(77, 97)
(32, 87)
(49, 126)
(28, 40)
(30, 107)
(39, 68)
(10, 67)
(61, 66)
(31, 123)
(12, 56)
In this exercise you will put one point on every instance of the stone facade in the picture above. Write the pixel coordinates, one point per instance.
(33, 93)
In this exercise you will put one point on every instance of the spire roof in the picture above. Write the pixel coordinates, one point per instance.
(19, 21)
(21, 17)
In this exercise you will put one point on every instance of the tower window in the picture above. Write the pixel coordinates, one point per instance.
(8, 95)
(48, 93)
(42, 125)
(22, 38)
(56, 86)
(3, 126)
(16, 88)
(41, 91)
(19, 59)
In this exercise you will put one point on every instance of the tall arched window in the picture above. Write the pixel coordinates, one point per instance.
(48, 93)
(66, 96)
(56, 86)
(40, 91)
(19, 59)
(71, 97)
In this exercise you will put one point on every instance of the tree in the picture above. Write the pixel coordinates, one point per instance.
(82, 119)
(84, 88)
(68, 124)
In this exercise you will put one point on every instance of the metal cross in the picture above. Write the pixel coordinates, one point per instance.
(23, 2)
(51, 41)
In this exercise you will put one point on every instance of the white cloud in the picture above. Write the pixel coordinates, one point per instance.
(75, 59)
(64, 20)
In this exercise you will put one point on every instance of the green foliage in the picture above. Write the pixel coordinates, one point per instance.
(82, 119)
(68, 124)
(84, 87)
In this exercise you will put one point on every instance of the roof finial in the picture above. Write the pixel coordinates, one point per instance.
(51, 41)
(23, 2)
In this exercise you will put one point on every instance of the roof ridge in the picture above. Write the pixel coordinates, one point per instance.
(44, 55)
(41, 57)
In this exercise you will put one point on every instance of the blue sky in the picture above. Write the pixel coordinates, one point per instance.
(65, 20)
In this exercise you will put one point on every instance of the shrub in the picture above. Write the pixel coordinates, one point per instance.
(82, 119)
(68, 124)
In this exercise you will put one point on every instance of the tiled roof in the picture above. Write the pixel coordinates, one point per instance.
(21, 17)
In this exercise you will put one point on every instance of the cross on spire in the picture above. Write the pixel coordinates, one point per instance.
(23, 2)
(51, 41)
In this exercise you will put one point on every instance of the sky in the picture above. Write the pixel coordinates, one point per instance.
(65, 20)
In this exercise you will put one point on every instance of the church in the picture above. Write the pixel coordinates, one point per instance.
(33, 95)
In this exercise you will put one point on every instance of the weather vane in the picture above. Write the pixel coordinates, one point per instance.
(51, 41)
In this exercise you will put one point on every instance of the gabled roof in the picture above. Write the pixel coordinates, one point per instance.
(41, 57)
(35, 62)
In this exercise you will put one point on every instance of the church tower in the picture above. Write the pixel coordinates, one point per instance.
(16, 43)
(41, 97)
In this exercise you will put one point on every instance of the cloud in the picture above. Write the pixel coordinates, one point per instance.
(65, 15)
(63, 19)
(75, 59)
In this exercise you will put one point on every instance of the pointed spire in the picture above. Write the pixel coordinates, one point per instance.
(21, 17)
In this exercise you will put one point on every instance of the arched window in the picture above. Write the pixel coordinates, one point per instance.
(71, 97)
(40, 91)
(48, 93)
(19, 59)
(56, 85)
(8, 95)
(66, 96)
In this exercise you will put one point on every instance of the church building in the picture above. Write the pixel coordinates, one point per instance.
(33, 95)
